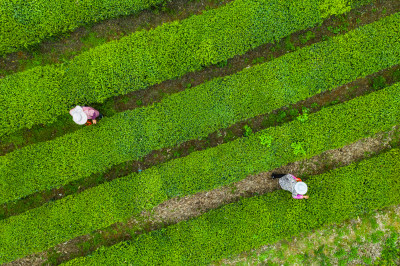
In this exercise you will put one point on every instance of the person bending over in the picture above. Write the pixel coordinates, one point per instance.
(292, 184)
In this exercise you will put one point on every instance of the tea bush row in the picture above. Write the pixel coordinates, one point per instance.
(335, 196)
(116, 201)
(27, 22)
(199, 111)
(146, 58)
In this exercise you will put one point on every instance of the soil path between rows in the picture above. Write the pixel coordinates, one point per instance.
(183, 208)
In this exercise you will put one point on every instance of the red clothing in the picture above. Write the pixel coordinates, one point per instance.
(298, 196)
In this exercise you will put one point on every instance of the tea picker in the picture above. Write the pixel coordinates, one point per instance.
(293, 184)
(80, 115)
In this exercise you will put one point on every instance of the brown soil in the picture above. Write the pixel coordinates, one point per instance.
(183, 208)
(157, 92)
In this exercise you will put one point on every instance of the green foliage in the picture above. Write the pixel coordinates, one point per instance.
(265, 140)
(26, 23)
(309, 35)
(281, 116)
(92, 40)
(353, 253)
(289, 45)
(247, 131)
(139, 102)
(340, 253)
(396, 75)
(125, 99)
(298, 148)
(115, 201)
(334, 7)
(258, 60)
(223, 63)
(145, 58)
(304, 116)
(196, 112)
(367, 260)
(293, 112)
(379, 83)
(377, 236)
(390, 252)
(253, 222)
(334, 30)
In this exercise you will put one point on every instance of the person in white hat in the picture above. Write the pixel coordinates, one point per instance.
(80, 115)
(293, 184)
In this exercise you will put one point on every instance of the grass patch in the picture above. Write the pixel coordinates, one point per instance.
(379, 83)
(91, 40)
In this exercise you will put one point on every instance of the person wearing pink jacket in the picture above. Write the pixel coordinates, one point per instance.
(80, 115)
(292, 184)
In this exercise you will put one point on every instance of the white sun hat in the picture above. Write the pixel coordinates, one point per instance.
(301, 188)
(79, 115)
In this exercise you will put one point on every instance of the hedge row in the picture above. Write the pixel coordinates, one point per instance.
(112, 202)
(335, 196)
(146, 58)
(28, 22)
(201, 110)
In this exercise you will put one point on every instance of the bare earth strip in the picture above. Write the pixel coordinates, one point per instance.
(184, 208)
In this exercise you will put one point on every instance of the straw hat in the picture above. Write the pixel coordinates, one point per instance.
(79, 115)
(301, 188)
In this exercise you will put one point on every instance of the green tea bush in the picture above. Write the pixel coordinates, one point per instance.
(146, 58)
(250, 223)
(112, 202)
(198, 111)
(28, 22)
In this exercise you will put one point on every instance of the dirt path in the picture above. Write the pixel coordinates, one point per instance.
(183, 208)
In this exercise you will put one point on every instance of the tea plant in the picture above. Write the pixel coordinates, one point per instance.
(265, 140)
(304, 116)
(247, 131)
(298, 148)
